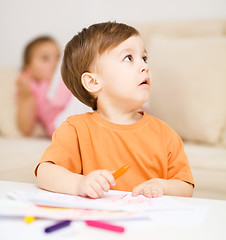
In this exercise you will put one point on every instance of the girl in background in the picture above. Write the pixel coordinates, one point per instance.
(35, 105)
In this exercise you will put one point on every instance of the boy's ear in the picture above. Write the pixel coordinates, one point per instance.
(90, 83)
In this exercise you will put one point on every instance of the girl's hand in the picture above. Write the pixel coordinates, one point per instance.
(96, 183)
(151, 189)
(24, 84)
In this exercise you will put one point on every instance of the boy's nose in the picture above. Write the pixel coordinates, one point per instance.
(144, 67)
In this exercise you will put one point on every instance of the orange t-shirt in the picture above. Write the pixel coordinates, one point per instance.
(87, 142)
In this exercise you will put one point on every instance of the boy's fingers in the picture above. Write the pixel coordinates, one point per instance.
(95, 190)
(91, 193)
(136, 191)
(102, 181)
(155, 194)
(109, 177)
(144, 190)
(99, 182)
(88, 192)
(147, 192)
(98, 188)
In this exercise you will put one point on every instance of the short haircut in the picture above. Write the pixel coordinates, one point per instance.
(28, 51)
(81, 51)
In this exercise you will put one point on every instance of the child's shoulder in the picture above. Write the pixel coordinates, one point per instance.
(74, 122)
(157, 121)
(159, 124)
(78, 118)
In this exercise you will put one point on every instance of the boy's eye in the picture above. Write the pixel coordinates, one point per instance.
(128, 58)
(145, 59)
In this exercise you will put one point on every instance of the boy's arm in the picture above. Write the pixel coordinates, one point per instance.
(175, 187)
(157, 187)
(55, 178)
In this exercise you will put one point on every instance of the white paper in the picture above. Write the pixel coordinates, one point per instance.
(111, 201)
(115, 205)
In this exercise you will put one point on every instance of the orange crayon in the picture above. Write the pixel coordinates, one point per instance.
(120, 171)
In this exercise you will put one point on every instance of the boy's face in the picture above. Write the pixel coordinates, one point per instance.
(44, 59)
(124, 75)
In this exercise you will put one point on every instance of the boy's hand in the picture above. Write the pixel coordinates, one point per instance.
(96, 183)
(152, 188)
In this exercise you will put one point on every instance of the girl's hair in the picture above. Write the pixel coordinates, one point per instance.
(82, 50)
(28, 51)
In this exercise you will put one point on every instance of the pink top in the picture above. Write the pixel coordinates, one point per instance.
(48, 109)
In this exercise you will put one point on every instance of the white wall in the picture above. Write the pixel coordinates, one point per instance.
(22, 20)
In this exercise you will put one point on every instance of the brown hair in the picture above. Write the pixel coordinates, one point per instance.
(33, 44)
(81, 51)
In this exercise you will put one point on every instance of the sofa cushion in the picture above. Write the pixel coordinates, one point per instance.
(208, 167)
(184, 28)
(223, 135)
(189, 85)
(19, 158)
(8, 125)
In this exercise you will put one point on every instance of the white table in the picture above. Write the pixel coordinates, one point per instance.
(212, 224)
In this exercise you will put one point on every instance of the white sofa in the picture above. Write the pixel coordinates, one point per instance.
(188, 65)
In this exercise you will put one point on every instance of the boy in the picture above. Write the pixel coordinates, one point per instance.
(105, 67)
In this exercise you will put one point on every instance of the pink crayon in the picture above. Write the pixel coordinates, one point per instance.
(104, 225)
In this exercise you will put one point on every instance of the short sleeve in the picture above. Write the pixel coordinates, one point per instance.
(64, 149)
(178, 164)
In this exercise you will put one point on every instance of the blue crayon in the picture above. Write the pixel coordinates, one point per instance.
(57, 226)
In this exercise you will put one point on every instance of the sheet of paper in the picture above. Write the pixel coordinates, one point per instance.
(12, 208)
(115, 205)
(111, 201)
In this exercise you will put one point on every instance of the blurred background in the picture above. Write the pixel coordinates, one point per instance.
(23, 20)
(186, 44)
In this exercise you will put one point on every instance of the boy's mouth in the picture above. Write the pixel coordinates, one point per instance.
(146, 81)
